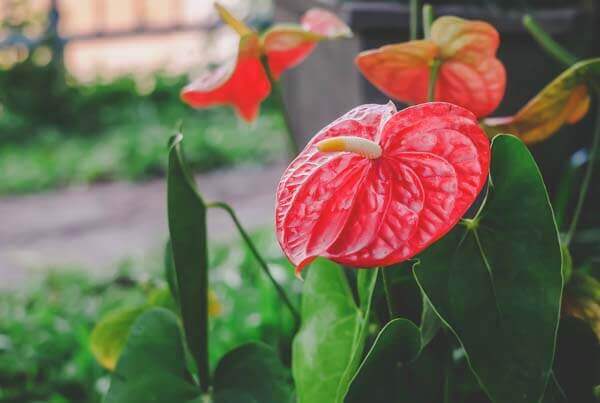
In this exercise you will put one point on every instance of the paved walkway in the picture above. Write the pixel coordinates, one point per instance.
(98, 227)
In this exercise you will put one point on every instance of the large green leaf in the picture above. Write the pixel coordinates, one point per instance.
(187, 227)
(152, 367)
(496, 280)
(252, 373)
(398, 343)
(328, 348)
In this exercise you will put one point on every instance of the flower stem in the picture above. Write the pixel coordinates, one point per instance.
(428, 17)
(278, 94)
(387, 289)
(585, 184)
(433, 76)
(547, 43)
(261, 261)
(414, 19)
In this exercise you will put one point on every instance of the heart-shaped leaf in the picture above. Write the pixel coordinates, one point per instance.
(252, 373)
(398, 343)
(152, 367)
(187, 228)
(564, 101)
(328, 348)
(496, 280)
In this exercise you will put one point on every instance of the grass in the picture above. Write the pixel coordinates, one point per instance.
(44, 330)
(136, 148)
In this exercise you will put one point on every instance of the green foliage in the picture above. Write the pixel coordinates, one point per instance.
(497, 281)
(328, 348)
(44, 337)
(252, 373)
(133, 149)
(398, 343)
(187, 228)
(153, 365)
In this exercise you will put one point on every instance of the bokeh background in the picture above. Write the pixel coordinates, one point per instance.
(89, 95)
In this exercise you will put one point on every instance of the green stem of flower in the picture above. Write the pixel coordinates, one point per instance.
(547, 43)
(387, 289)
(433, 76)
(277, 92)
(585, 184)
(428, 16)
(261, 261)
(414, 19)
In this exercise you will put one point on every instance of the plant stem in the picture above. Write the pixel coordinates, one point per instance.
(261, 261)
(387, 289)
(585, 184)
(277, 91)
(433, 76)
(414, 19)
(428, 17)
(547, 43)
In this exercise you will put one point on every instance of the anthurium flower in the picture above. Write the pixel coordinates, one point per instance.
(378, 186)
(565, 100)
(245, 82)
(469, 75)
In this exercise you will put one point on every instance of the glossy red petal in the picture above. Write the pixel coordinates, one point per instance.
(244, 87)
(368, 213)
(364, 121)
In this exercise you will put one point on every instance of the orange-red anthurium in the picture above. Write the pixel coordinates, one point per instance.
(244, 83)
(378, 186)
(469, 75)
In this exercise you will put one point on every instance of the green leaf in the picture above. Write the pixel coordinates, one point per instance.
(430, 322)
(327, 350)
(110, 334)
(170, 273)
(398, 343)
(496, 280)
(153, 366)
(187, 227)
(252, 373)
(577, 365)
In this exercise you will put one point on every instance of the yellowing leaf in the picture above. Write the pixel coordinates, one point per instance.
(564, 100)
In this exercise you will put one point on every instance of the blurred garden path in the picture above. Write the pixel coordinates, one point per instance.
(99, 226)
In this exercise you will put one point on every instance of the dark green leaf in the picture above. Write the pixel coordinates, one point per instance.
(170, 273)
(187, 227)
(152, 367)
(430, 322)
(577, 365)
(398, 343)
(496, 281)
(252, 373)
(328, 348)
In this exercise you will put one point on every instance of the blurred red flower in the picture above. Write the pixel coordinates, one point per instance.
(245, 83)
(470, 75)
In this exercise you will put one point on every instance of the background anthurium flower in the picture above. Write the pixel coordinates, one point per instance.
(378, 186)
(564, 101)
(470, 75)
(244, 83)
